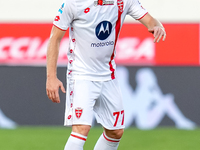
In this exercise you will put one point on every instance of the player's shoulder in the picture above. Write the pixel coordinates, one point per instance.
(129, 2)
(78, 3)
(132, 1)
(69, 1)
(68, 5)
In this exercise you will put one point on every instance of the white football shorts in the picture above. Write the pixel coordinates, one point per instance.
(85, 98)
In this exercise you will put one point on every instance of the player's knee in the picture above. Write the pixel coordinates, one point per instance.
(81, 129)
(115, 134)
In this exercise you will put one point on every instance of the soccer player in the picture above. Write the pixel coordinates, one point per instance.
(92, 87)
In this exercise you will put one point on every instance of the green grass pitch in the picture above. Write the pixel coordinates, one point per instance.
(54, 138)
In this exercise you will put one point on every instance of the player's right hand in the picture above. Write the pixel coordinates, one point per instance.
(158, 33)
(52, 88)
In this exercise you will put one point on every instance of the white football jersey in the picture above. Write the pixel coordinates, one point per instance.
(94, 27)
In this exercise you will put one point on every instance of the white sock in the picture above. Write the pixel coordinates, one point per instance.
(106, 143)
(75, 142)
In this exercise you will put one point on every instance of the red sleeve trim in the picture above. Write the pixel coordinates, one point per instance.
(59, 28)
(142, 16)
(78, 137)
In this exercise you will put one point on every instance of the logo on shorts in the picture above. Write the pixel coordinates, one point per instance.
(69, 117)
(103, 30)
(78, 112)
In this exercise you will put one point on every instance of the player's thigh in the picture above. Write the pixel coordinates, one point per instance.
(109, 109)
(85, 93)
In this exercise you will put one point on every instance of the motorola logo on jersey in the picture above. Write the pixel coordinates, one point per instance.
(103, 30)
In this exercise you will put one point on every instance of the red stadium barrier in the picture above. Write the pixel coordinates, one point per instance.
(26, 44)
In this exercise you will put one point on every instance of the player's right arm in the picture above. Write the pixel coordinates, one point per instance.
(52, 82)
(154, 26)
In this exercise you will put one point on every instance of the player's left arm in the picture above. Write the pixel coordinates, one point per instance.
(154, 26)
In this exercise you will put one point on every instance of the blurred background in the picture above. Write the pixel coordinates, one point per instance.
(160, 82)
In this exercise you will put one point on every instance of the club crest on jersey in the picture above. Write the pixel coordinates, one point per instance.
(120, 5)
(78, 112)
(103, 2)
(103, 30)
(61, 8)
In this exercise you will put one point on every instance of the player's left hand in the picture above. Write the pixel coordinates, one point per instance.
(158, 32)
